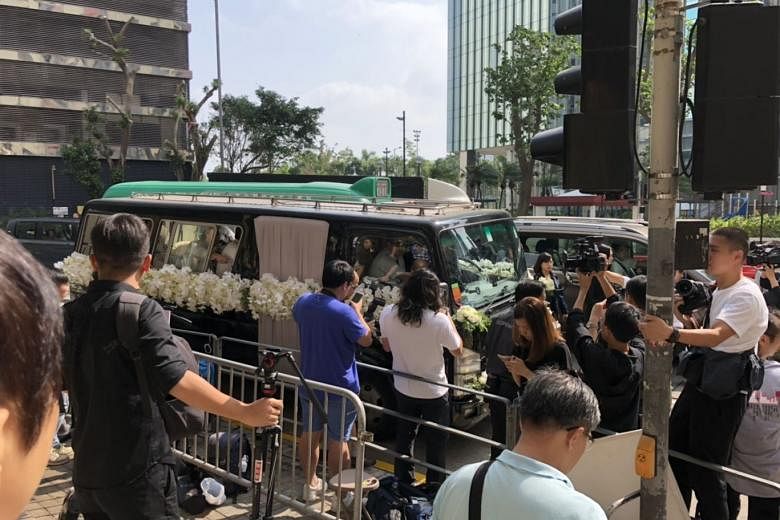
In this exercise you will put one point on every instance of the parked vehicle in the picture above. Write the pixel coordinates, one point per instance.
(475, 251)
(557, 236)
(49, 239)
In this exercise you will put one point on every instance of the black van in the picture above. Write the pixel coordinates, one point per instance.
(475, 251)
(48, 239)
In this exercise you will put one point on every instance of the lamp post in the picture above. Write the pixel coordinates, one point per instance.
(403, 137)
(417, 149)
(386, 151)
(219, 92)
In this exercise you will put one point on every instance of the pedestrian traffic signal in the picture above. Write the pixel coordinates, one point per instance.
(736, 134)
(595, 146)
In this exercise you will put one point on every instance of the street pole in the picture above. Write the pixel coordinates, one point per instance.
(219, 92)
(662, 199)
(417, 149)
(403, 137)
(386, 151)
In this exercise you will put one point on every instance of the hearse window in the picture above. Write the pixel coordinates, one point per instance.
(25, 230)
(388, 258)
(483, 260)
(58, 231)
(199, 246)
(89, 222)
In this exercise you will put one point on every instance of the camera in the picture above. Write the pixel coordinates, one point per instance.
(695, 295)
(587, 256)
(764, 254)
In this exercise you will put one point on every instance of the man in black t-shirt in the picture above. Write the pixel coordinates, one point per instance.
(612, 365)
(123, 468)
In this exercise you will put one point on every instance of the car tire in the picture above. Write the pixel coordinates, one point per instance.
(377, 389)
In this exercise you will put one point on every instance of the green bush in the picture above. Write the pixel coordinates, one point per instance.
(751, 225)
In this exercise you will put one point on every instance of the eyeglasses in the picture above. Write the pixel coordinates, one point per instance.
(588, 433)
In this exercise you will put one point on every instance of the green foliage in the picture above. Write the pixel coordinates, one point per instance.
(202, 136)
(751, 225)
(521, 89)
(264, 135)
(83, 165)
(446, 169)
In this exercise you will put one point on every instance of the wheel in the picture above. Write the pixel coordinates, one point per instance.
(377, 389)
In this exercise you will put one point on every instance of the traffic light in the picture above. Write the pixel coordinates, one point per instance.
(595, 146)
(736, 122)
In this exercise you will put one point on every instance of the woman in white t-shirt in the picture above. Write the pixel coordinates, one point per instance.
(417, 330)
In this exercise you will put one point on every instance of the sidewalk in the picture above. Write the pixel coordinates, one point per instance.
(47, 502)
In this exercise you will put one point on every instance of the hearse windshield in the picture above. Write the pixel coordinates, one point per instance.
(483, 260)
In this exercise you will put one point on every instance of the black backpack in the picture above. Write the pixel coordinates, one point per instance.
(394, 500)
(181, 420)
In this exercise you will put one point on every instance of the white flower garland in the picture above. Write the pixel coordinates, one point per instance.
(266, 297)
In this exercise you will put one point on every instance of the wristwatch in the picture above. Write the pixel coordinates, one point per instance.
(674, 337)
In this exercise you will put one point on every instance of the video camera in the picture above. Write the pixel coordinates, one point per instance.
(587, 256)
(764, 254)
(695, 295)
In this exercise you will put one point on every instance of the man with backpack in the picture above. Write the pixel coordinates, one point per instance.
(124, 465)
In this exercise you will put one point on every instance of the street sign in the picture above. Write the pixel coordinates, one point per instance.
(60, 211)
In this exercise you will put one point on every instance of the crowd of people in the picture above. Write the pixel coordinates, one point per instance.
(577, 373)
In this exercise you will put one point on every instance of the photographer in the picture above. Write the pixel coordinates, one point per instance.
(771, 294)
(613, 364)
(715, 392)
(500, 342)
(616, 281)
(417, 330)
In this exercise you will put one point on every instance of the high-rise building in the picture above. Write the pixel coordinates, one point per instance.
(474, 28)
(49, 74)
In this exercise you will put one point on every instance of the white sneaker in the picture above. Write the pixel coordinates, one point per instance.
(312, 493)
(60, 456)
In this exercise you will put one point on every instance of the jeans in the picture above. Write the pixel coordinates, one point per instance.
(152, 496)
(704, 428)
(758, 508)
(435, 410)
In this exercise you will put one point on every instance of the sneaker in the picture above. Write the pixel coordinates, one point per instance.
(60, 456)
(312, 493)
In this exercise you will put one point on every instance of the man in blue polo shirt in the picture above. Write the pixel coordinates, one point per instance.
(557, 415)
(330, 326)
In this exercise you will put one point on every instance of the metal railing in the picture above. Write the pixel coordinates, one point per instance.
(226, 449)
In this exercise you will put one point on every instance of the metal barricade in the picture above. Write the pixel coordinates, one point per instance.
(226, 449)
(512, 417)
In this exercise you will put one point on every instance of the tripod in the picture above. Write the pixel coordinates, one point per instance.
(267, 450)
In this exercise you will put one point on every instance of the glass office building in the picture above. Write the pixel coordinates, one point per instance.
(474, 27)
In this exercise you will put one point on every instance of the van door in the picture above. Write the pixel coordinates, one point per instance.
(287, 247)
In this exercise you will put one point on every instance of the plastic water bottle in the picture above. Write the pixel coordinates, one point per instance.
(244, 464)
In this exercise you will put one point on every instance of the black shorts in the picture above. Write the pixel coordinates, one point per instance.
(150, 497)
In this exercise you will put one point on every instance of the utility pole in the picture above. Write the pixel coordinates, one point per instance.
(219, 92)
(417, 149)
(386, 151)
(403, 142)
(661, 201)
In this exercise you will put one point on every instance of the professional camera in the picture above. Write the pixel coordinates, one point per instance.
(695, 295)
(587, 256)
(764, 254)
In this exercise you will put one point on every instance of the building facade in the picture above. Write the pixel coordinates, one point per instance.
(474, 27)
(49, 74)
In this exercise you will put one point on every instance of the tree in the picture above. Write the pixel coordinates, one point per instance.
(480, 175)
(202, 136)
(117, 53)
(521, 87)
(82, 157)
(446, 169)
(265, 135)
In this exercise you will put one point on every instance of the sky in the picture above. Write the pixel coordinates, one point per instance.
(363, 61)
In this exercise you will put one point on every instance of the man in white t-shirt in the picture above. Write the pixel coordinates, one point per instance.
(700, 425)
(417, 331)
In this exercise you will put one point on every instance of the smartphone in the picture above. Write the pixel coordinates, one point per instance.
(357, 297)
(444, 294)
(502, 357)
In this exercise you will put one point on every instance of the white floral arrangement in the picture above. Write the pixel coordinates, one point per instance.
(266, 297)
(485, 267)
(471, 320)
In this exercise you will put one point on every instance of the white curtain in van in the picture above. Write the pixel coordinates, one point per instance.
(289, 247)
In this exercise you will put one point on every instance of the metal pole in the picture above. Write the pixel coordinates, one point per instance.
(403, 139)
(219, 92)
(386, 151)
(662, 199)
